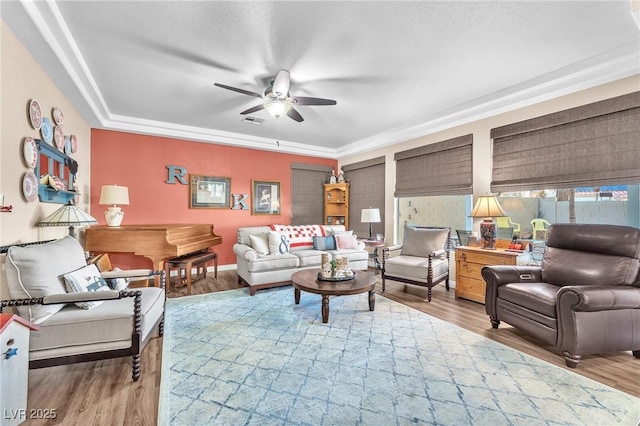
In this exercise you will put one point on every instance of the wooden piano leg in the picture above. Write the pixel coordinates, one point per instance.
(158, 265)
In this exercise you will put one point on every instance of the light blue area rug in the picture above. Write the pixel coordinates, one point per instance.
(232, 359)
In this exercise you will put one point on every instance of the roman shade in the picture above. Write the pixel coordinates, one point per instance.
(366, 179)
(442, 168)
(591, 145)
(307, 192)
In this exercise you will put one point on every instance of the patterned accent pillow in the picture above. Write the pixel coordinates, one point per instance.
(324, 243)
(346, 242)
(260, 243)
(117, 283)
(278, 243)
(301, 236)
(83, 280)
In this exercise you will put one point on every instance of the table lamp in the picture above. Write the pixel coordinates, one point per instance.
(112, 195)
(370, 216)
(487, 207)
(68, 215)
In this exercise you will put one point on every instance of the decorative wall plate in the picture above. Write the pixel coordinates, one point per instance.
(58, 117)
(46, 130)
(30, 153)
(74, 144)
(58, 137)
(30, 187)
(35, 114)
(67, 145)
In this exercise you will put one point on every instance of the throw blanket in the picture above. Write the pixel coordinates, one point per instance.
(300, 237)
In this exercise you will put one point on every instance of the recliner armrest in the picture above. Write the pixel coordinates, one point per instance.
(497, 275)
(588, 298)
(596, 319)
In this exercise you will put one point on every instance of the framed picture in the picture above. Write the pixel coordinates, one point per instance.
(265, 197)
(209, 192)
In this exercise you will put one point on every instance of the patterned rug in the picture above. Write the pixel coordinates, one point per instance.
(232, 359)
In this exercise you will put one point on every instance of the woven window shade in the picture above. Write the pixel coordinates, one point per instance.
(592, 145)
(443, 168)
(367, 187)
(307, 192)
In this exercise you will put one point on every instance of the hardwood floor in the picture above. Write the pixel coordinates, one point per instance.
(102, 392)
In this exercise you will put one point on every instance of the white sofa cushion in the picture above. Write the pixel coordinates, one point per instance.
(37, 271)
(308, 257)
(260, 242)
(416, 267)
(72, 328)
(273, 261)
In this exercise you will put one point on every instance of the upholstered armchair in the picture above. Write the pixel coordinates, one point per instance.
(422, 259)
(585, 297)
(80, 317)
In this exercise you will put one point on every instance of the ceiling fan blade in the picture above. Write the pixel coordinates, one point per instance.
(235, 89)
(253, 109)
(303, 100)
(292, 113)
(281, 84)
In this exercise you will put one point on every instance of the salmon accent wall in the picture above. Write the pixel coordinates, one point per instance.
(140, 163)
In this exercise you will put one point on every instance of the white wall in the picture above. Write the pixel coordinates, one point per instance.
(22, 79)
(482, 141)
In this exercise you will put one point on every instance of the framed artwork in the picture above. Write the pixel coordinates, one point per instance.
(209, 192)
(265, 197)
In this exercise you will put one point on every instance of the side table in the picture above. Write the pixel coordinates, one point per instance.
(469, 263)
(373, 254)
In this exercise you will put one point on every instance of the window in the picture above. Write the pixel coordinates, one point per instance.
(366, 183)
(434, 185)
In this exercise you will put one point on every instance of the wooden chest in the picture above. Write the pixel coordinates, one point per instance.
(469, 263)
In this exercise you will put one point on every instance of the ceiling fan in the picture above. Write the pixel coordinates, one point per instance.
(277, 100)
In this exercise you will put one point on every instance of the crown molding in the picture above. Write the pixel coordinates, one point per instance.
(607, 67)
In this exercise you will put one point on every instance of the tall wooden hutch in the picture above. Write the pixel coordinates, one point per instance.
(336, 204)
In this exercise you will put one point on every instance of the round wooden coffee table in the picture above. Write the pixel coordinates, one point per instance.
(307, 280)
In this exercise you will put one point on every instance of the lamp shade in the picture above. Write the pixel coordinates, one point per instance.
(370, 215)
(487, 206)
(114, 195)
(68, 215)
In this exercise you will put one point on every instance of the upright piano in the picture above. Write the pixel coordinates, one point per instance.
(155, 242)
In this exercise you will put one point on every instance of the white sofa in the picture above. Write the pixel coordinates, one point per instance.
(274, 269)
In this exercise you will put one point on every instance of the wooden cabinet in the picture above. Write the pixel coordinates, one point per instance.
(54, 162)
(469, 263)
(336, 204)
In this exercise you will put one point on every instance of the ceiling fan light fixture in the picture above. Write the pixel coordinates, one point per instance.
(276, 107)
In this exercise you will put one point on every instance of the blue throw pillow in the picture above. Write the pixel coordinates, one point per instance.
(324, 243)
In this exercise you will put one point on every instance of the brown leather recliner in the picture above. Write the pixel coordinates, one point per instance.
(584, 298)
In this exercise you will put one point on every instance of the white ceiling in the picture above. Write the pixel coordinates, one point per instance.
(398, 70)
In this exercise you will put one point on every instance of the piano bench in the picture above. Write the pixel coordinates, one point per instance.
(187, 262)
